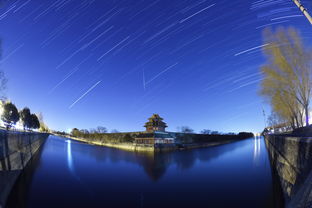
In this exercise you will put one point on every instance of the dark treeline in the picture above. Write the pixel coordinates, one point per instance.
(188, 130)
(100, 135)
(10, 116)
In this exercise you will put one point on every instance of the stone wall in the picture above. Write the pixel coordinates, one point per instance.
(129, 146)
(182, 141)
(126, 140)
(291, 159)
(16, 150)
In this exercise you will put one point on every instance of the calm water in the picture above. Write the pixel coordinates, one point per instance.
(72, 174)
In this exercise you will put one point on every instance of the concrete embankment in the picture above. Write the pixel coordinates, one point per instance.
(291, 159)
(16, 150)
(155, 147)
(127, 146)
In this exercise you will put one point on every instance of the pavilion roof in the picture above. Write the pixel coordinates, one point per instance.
(155, 117)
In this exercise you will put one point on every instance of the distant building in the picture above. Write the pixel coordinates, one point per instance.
(155, 132)
(279, 128)
(155, 123)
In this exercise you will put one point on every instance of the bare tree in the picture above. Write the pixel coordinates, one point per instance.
(101, 129)
(185, 129)
(206, 131)
(287, 75)
(43, 126)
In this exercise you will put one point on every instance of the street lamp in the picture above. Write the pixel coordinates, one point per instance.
(304, 10)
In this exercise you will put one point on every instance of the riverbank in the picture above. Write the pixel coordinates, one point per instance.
(16, 150)
(123, 146)
(208, 141)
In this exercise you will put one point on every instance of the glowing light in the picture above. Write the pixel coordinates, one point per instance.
(257, 149)
(70, 161)
(69, 155)
(19, 125)
(310, 118)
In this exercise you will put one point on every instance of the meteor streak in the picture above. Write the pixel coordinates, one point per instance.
(250, 49)
(84, 94)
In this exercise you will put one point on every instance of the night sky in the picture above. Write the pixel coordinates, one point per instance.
(84, 63)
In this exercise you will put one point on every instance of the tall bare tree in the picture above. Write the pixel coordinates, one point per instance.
(287, 75)
(43, 126)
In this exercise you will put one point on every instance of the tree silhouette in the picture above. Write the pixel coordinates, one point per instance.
(10, 114)
(101, 129)
(43, 126)
(186, 129)
(34, 124)
(206, 131)
(25, 117)
(75, 132)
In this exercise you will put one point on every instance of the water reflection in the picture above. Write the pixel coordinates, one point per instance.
(257, 150)
(70, 163)
(73, 174)
(69, 156)
(156, 164)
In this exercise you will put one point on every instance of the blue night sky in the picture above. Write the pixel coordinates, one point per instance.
(84, 63)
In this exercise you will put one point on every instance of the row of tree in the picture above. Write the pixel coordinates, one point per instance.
(100, 135)
(102, 130)
(98, 130)
(287, 74)
(188, 130)
(10, 116)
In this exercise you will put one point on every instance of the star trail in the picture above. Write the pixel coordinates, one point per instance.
(196, 63)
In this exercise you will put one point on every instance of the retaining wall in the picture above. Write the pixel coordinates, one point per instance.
(291, 160)
(16, 150)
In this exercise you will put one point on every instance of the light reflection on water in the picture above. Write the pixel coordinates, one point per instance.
(257, 150)
(81, 175)
(69, 156)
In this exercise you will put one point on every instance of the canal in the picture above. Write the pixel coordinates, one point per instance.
(73, 174)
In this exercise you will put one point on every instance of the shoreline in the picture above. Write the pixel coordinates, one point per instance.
(153, 148)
